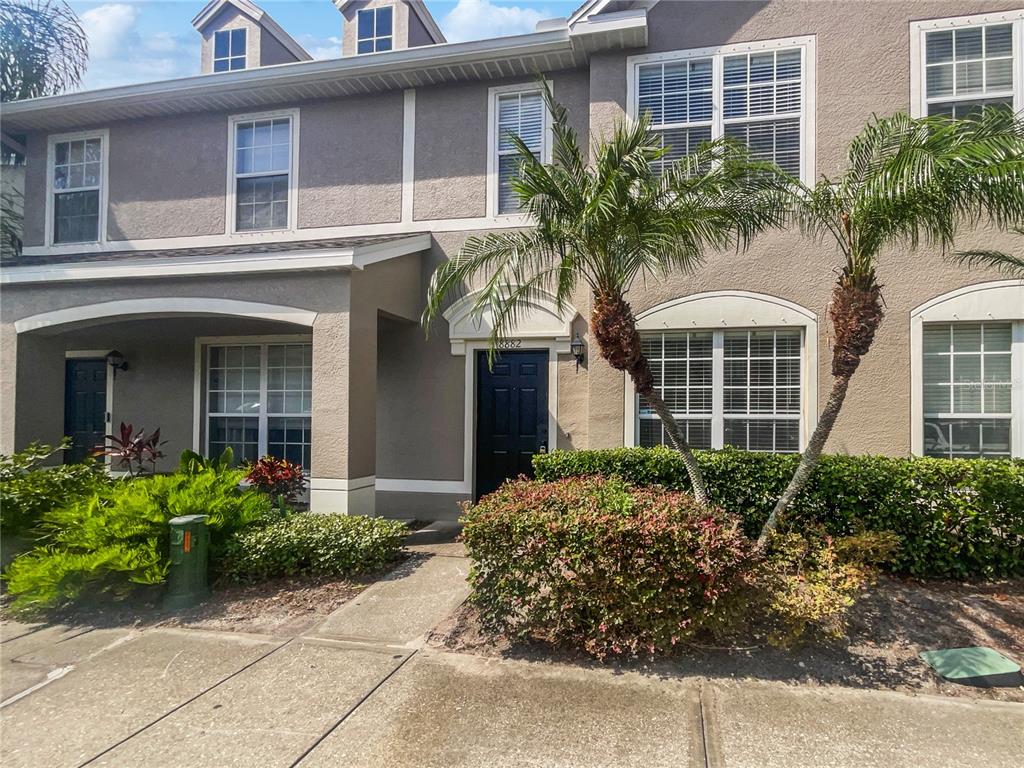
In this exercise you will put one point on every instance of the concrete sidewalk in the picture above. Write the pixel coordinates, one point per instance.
(360, 690)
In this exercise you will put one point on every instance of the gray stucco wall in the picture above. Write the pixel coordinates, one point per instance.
(162, 185)
(418, 34)
(271, 50)
(350, 161)
(451, 142)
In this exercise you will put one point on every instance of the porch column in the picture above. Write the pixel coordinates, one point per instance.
(8, 385)
(31, 389)
(344, 419)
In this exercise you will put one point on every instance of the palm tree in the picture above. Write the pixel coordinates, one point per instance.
(907, 182)
(1009, 264)
(43, 48)
(604, 226)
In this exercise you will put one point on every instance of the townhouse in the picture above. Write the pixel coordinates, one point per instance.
(240, 258)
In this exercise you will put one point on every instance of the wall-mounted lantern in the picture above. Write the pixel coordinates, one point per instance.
(116, 361)
(578, 349)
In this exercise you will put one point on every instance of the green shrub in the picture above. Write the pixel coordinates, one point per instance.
(117, 536)
(309, 543)
(28, 489)
(954, 518)
(807, 585)
(597, 564)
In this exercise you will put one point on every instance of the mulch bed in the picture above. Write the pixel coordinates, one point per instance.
(281, 607)
(888, 627)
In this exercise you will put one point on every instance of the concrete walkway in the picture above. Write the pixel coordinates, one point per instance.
(360, 690)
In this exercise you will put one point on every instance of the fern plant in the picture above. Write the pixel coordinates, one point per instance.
(117, 537)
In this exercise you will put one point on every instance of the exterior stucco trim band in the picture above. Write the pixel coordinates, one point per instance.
(166, 306)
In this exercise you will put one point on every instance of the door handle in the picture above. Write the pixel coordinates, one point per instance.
(543, 449)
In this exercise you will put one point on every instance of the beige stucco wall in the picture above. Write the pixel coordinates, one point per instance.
(349, 174)
(863, 68)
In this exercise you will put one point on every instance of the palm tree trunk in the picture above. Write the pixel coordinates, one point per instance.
(700, 488)
(807, 461)
(856, 312)
(614, 329)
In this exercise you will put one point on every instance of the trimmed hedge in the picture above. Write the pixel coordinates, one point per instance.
(595, 563)
(310, 543)
(955, 518)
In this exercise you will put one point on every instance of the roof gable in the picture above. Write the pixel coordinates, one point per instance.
(418, 7)
(213, 8)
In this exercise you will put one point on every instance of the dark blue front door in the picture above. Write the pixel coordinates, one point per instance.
(511, 416)
(85, 406)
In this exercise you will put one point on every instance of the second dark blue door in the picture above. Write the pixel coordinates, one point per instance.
(85, 407)
(511, 416)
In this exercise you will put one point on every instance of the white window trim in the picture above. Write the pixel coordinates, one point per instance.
(996, 301)
(293, 172)
(214, 58)
(103, 134)
(200, 417)
(918, 97)
(808, 52)
(376, 37)
(738, 310)
(492, 142)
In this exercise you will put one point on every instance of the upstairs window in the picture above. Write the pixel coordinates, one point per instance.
(228, 50)
(515, 113)
(967, 64)
(755, 93)
(374, 27)
(76, 189)
(263, 157)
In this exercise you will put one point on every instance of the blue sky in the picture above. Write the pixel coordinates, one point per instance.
(133, 41)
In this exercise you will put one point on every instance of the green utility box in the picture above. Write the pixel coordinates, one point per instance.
(186, 581)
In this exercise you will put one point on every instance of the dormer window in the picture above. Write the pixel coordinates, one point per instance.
(229, 50)
(375, 29)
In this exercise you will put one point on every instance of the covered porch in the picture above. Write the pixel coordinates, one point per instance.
(280, 361)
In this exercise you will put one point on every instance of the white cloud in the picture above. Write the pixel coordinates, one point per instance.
(119, 53)
(482, 19)
(321, 47)
(110, 29)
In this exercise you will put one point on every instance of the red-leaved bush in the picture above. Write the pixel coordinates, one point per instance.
(596, 563)
(277, 477)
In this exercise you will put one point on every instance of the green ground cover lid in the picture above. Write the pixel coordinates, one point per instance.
(973, 666)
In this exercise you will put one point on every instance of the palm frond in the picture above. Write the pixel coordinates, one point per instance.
(606, 223)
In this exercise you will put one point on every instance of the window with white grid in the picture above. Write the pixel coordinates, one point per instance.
(739, 387)
(761, 390)
(753, 93)
(678, 96)
(968, 389)
(967, 64)
(259, 400)
(262, 168)
(522, 114)
(76, 186)
(762, 98)
(682, 366)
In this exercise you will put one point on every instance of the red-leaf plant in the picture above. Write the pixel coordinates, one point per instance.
(131, 450)
(278, 478)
